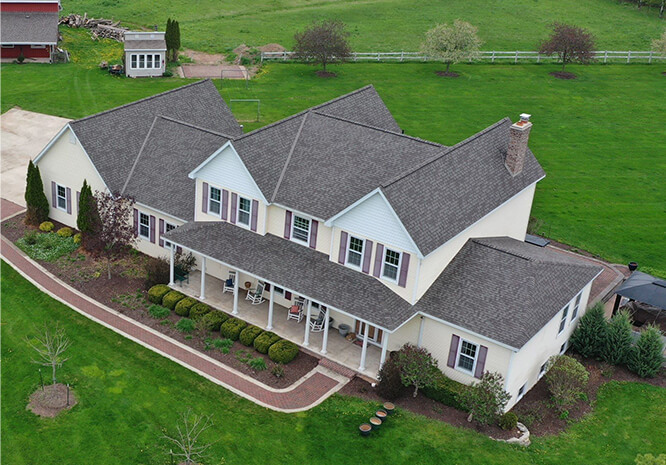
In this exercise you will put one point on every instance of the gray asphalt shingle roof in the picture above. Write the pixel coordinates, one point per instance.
(505, 289)
(145, 45)
(32, 27)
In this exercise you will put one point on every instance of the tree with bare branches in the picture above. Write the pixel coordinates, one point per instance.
(116, 229)
(452, 43)
(50, 344)
(323, 43)
(187, 438)
(570, 43)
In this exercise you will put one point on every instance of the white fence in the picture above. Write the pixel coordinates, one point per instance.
(604, 56)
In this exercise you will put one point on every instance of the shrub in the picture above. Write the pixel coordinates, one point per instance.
(46, 226)
(485, 400)
(508, 421)
(566, 379)
(159, 312)
(618, 339)
(65, 232)
(167, 73)
(232, 328)
(258, 364)
(36, 202)
(198, 310)
(283, 351)
(185, 325)
(172, 298)
(646, 357)
(649, 459)
(264, 341)
(278, 370)
(183, 306)
(589, 336)
(213, 320)
(46, 247)
(157, 272)
(157, 293)
(77, 238)
(249, 334)
(390, 385)
(417, 367)
(31, 237)
(223, 344)
(446, 391)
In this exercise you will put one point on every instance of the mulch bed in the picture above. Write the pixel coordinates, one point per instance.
(125, 293)
(325, 74)
(447, 74)
(51, 401)
(563, 75)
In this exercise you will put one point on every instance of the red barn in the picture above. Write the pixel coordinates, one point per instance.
(29, 28)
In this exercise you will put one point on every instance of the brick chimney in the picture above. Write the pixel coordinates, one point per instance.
(519, 134)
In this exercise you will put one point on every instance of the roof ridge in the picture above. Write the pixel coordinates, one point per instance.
(85, 118)
(271, 125)
(566, 262)
(336, 99)
(476, 240)
(286, 163)
(138, 155)
(194, 126)
(446, 151)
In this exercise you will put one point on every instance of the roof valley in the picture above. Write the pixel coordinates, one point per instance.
(286, 163)
(138, 155)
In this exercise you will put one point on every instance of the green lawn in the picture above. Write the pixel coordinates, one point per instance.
(128, 395)
(382, 25)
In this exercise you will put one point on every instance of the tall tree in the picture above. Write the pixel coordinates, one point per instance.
(176, 39)
(117, 231)
(323, 43)
(169, 38)
(589, 336)
(36, 202)
(570, 43)
(618, 342)
(50, 344)
(452, 43)
(87, 220)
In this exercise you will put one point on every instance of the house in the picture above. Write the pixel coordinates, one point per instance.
(145, 54)
(402, 239)
(29, 28)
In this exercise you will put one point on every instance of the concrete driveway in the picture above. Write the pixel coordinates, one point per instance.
(24, 134)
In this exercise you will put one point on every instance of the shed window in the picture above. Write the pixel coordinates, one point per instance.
(149, 61)
(134, 60)
(142, 61)
(157, 61)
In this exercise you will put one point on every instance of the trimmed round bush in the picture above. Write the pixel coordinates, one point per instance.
(249, 334)
(171, 299)
(157, 293)
(46, 226)
(65, 232)
(183, 306)
(263, 342)
(78, 238)
(198, 310)
(508, 421)
(232, 328)
(283, 351)
(213, 320)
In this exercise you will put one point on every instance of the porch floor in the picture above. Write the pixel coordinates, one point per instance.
(339, 349)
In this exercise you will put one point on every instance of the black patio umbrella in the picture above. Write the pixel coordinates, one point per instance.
(643, 287)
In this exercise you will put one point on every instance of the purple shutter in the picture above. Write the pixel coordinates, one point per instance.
(267, 287)
(404, 269)
(481, 362)
(453, 351)
(136, 221)
(54, 198)
(179, 250)
(255, 212)
(234, 207)
(204, 198)
(152, 229)
(161, 231)
(78, 201)
(225, 204)
(314, 225)
(342, 255)
(68, 196)
(379, 256)
(366, 256)
(287, 224)
(287, 295)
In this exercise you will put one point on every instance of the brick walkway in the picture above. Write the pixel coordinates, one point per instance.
(313, 389)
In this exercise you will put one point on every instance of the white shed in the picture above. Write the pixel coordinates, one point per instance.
(145, 54)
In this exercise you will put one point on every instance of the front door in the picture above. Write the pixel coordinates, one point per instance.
(374, 333)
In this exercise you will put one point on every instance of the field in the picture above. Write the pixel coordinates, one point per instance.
(129, 396)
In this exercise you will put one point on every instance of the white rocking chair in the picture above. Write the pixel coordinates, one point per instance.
(296, 310)
(256, 295)
(229, 284)
(317, 324)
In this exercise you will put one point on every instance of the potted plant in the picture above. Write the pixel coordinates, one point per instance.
(365, 429)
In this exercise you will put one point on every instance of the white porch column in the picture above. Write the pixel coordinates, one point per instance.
(324, 342)
(270, 308)
(171, 264)
(235, 311)
(364, 351)
(382, 358)
(306, 338)
(203, 278)
(419, 342)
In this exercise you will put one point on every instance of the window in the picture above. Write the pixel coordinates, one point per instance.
(168, 227)
(574, 312)
(563, 321)
(214, 202)
(391, 264)
(134, 60)
(142, 62)
(563, 347)
(157, 61)
(542, 370)
(61, 194)
(300, 229)
(38, 46)
(244, 210)
(467, 356)
(149, 61)
(7, 46)
(278, 290)
(355, 251)
(144, 225)
(521, 392)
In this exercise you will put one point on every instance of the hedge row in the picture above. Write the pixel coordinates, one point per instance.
(446, 391)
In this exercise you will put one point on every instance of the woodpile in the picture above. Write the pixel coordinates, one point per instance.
(99, 28)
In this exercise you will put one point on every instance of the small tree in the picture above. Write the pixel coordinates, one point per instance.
(570, 43)
(588, 339)
(417, 367)
(618, 339)
(646, 357)
(176, 40)
(116, 231)
(50, 344)
(87, 220)
(452, 44)
(187, 438)
(323, 43)
(486, 399)
(35, 199)
(566, 379)
(170, 38)
(390, 385)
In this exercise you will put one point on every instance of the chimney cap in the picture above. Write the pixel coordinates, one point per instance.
(525, 117)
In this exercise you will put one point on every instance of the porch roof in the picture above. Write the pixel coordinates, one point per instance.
(297, 268)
